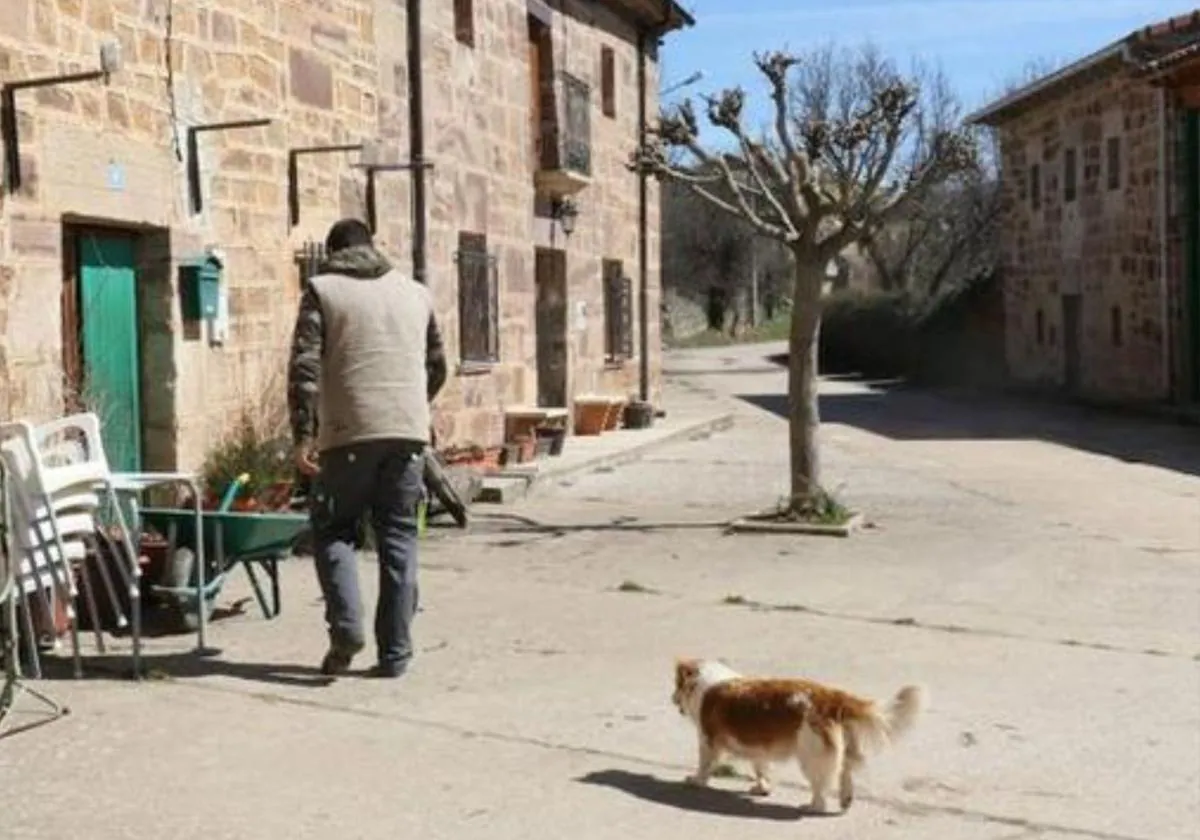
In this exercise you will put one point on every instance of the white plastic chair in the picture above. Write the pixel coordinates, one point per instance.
(12, 686)
(60, 478)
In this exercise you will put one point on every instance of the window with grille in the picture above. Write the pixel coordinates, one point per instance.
(478, 300)
(308, 261)
(618, 312)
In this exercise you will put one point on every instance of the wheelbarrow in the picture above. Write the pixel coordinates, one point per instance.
(231, 539)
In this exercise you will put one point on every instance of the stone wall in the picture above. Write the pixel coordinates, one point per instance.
(115, 155)
(1105, 245)
(477, 123)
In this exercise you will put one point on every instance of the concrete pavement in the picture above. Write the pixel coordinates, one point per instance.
(1047, 594)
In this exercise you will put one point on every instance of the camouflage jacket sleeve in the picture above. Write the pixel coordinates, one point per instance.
(304, 368)
(435, 359)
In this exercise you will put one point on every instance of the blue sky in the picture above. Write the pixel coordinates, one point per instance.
(980, 43)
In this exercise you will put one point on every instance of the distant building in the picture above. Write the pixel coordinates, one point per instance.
(1101, 236)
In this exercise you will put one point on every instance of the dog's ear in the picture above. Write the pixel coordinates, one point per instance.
(686, 668)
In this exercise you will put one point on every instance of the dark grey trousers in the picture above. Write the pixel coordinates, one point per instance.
(384, 478)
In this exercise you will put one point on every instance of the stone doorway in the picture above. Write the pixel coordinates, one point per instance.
(117, 339)
(550, 279)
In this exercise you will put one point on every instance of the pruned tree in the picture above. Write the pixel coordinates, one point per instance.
(948, 236)
(842, 160)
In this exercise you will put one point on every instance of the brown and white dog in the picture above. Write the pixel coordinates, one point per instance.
(766, 721)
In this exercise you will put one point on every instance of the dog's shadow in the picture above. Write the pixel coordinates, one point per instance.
(677, 794)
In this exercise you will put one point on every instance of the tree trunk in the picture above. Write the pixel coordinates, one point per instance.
(804, 416)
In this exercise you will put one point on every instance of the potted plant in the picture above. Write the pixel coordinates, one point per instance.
(250, 450)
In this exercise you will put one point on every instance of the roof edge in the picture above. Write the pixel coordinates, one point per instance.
(685, 17)
(654, 17)
(990, 114)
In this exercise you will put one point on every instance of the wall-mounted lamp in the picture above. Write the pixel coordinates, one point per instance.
(565, 212)
(294, 172)
(372, 161)
(110, 63)
(193, 150)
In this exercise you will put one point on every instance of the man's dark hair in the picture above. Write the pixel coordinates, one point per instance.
(346, 234)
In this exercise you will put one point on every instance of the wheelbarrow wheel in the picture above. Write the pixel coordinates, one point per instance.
(439, 484)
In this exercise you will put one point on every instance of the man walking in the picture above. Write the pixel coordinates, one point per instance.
(367, 358)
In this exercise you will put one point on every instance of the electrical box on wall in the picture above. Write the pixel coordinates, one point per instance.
(200, 287)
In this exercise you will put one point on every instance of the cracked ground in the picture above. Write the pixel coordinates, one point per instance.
(1035, 567)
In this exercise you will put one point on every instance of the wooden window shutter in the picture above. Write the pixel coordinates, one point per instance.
(492, 273)
(625, 291)
(464, 22)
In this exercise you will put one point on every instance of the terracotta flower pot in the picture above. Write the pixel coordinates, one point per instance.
(590, 417)
(491, 458)
(612, 419)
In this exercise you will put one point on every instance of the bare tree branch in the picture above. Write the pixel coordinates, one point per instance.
(796, 166)
(679, 129)
(725, 111)
(856, 147)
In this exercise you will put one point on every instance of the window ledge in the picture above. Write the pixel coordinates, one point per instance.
(616, 364)
(475, 368)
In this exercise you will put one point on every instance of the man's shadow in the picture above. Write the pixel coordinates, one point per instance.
(184, 665)
(677, 794)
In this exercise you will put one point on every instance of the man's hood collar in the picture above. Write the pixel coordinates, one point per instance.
(361, 261)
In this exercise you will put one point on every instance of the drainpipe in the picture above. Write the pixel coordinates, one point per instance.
(1164, 285)
(643, 231)
(644, 39)
(416, 140)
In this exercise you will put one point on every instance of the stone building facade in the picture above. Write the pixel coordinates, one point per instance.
(1097, 286)
(118, 195)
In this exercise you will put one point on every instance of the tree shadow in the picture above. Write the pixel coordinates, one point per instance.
(676, 794)
(904, 412)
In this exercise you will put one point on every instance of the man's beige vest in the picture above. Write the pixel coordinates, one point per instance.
(373, 378)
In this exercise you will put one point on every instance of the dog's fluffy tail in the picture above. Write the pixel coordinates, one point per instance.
(877, 727)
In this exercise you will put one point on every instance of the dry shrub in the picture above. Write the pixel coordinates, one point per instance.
(259, 441)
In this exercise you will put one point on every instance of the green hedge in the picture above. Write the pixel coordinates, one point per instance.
(949, 339)
(874, 334)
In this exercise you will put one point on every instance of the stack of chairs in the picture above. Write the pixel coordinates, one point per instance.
(63, 500)
(12, 687)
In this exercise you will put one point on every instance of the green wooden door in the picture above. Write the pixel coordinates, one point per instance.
(108, 317)
(1191, 292)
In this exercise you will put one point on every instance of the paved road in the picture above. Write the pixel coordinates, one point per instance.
(1036, 568)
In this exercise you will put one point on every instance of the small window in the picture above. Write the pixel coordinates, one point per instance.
(1118, 335)
(608, 82)
(478, 301)
(618, 312)
(464, 22)
(1041, 327)
(1070, 165)
(1035, 186)
(1114, 163)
